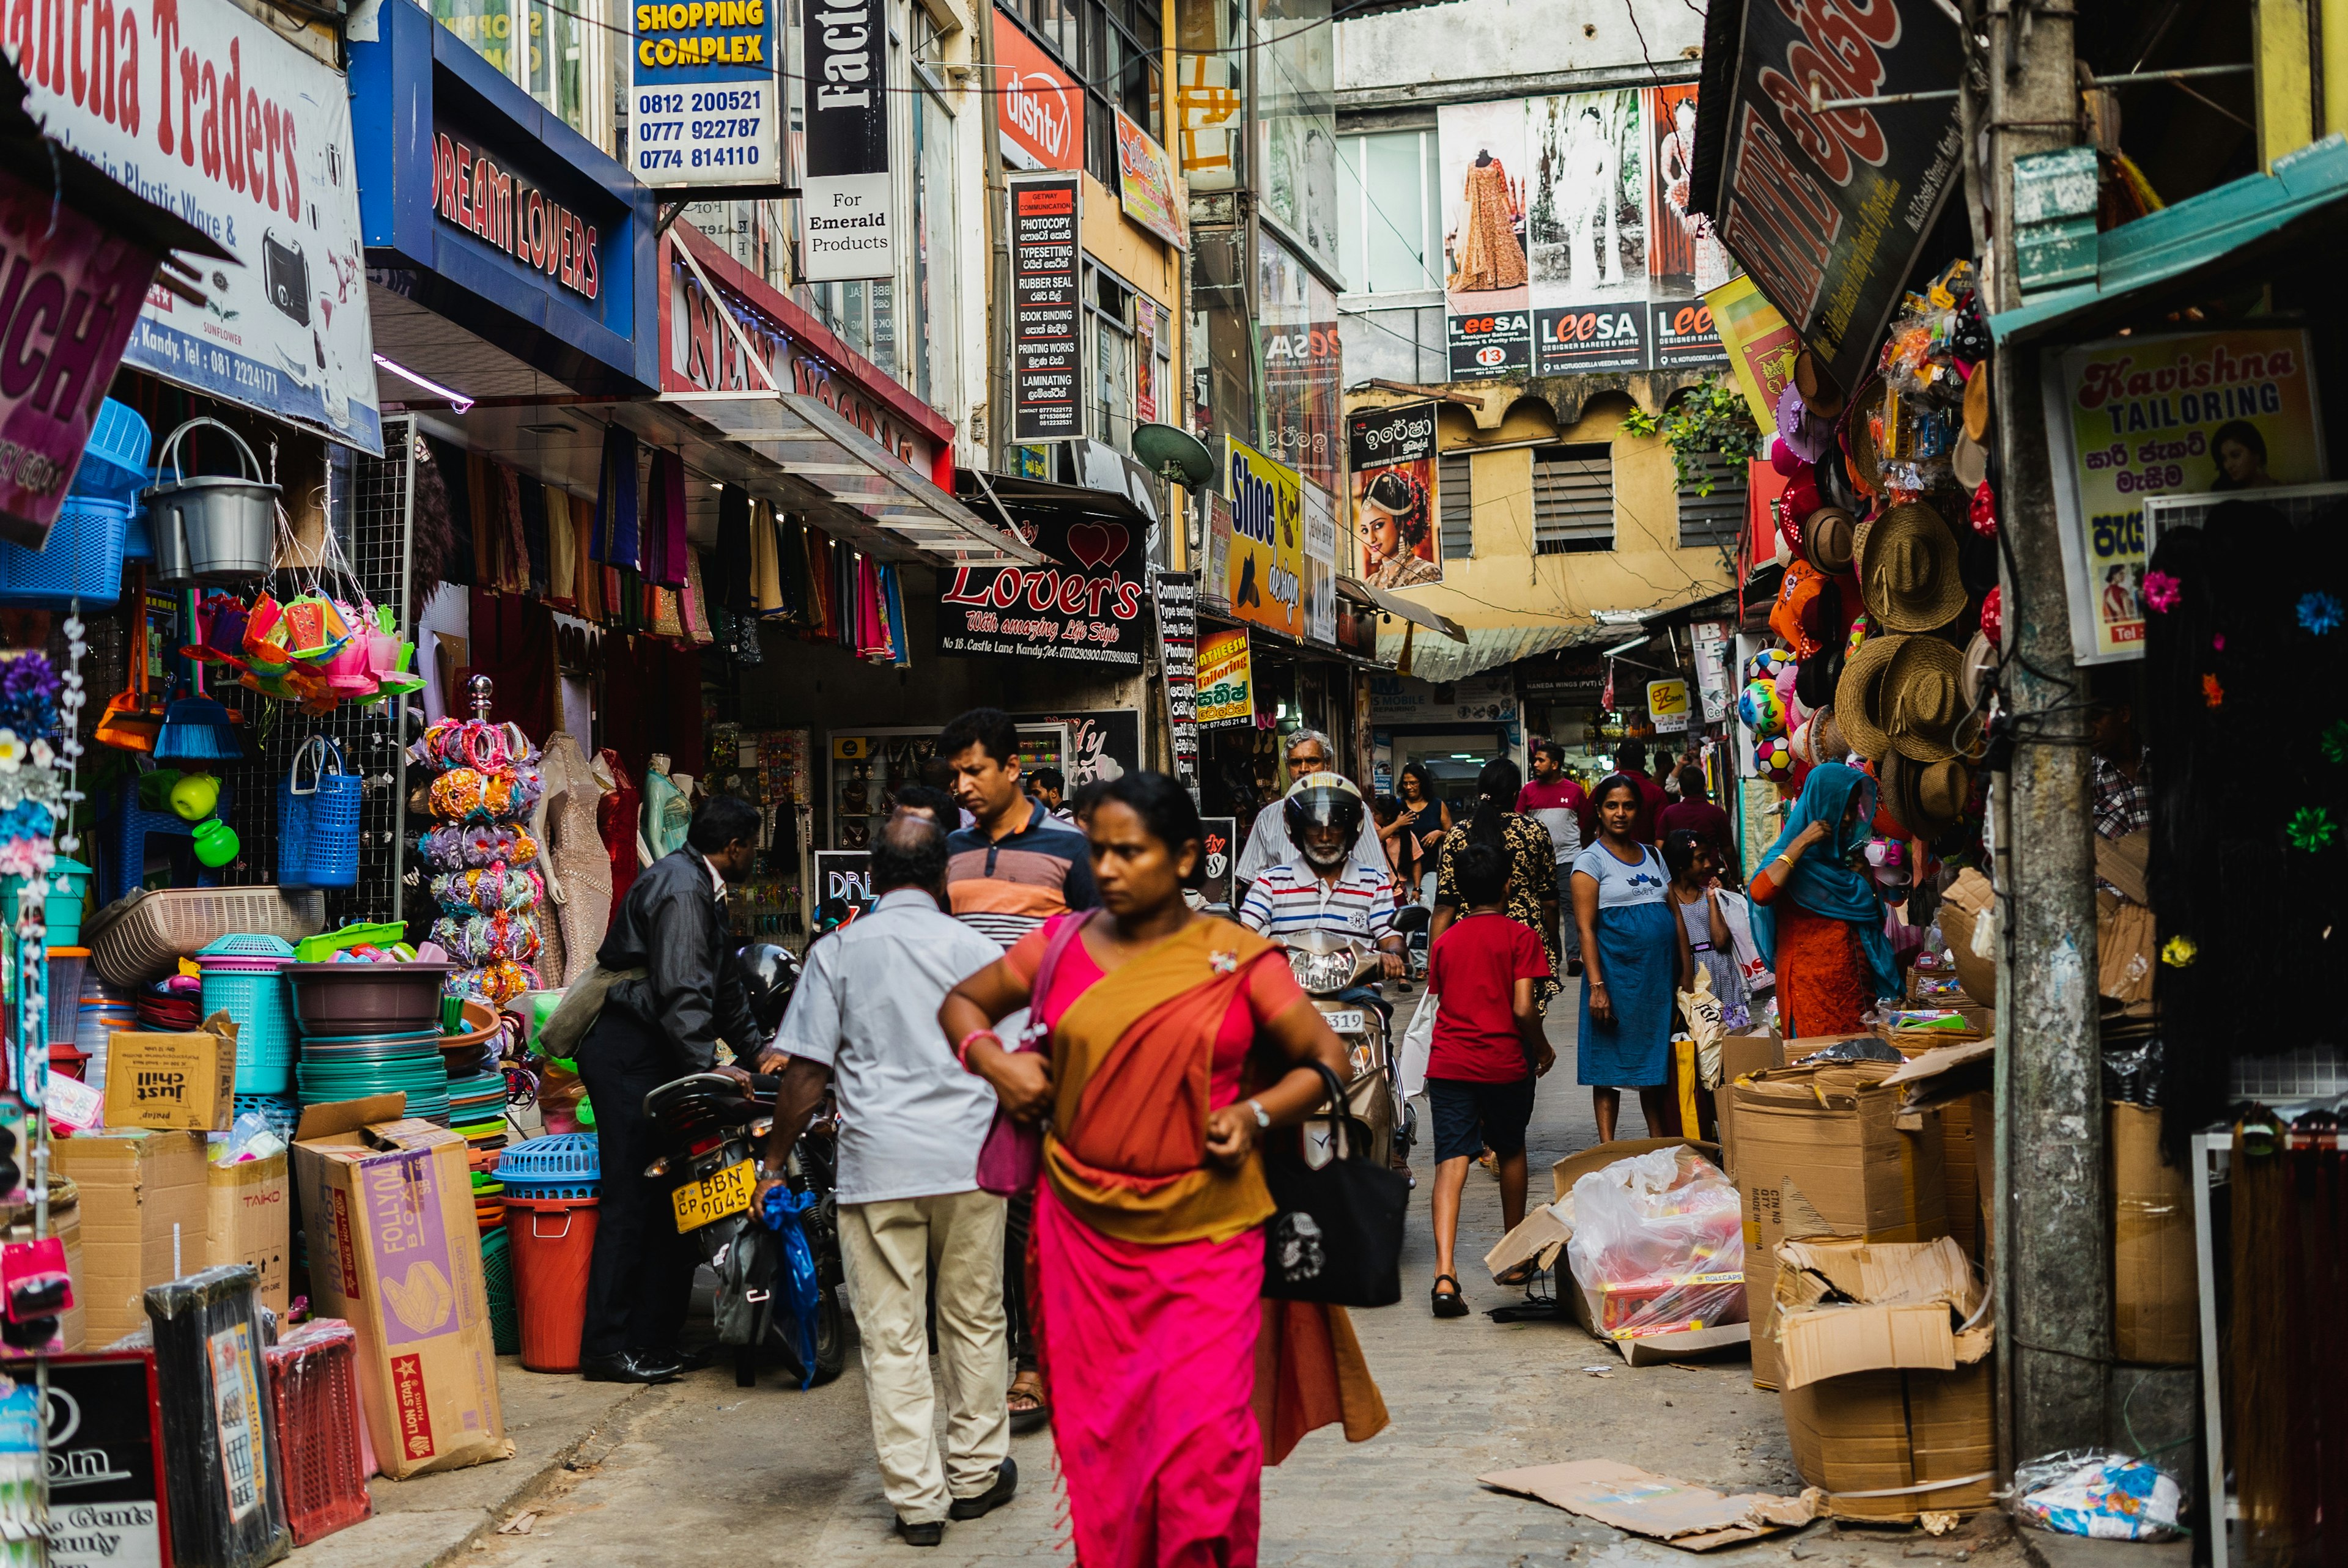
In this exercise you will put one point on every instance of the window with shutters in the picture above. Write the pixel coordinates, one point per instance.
(1456, 504)
(1707, 522)
(1573, 498)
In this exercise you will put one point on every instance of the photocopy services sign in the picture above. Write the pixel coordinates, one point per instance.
(204, 110)
(844, 193)
(708, 104)
(1046, 353)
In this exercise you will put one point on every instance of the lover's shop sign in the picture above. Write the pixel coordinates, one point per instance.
(1085, 605)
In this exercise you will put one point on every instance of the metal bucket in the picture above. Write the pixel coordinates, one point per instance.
(210, 525)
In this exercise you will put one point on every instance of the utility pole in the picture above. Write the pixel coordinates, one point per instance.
(2053, 1261)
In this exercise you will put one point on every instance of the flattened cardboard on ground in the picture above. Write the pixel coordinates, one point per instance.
(1692, 1518)
(2153, 1286)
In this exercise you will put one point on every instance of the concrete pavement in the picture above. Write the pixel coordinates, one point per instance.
(702, 1472)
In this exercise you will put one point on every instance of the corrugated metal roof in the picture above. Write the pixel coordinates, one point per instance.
(1438, 659)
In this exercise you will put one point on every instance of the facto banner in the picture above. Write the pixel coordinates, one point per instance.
(845, 196)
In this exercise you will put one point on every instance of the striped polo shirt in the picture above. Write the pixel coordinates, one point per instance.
(1006, 887)
(1291, 897)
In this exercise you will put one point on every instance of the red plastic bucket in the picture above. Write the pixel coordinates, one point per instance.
(553, 1239)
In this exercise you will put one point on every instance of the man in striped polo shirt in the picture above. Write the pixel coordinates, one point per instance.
(1325, 889)
(1011, 870)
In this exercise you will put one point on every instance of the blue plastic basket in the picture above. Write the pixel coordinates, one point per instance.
(318, 827)
(261, 1003)
(123, 841)
(83, 558)
(564, 1166)
(114, 462)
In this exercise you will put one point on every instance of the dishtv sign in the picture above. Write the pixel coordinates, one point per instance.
(1043, 109)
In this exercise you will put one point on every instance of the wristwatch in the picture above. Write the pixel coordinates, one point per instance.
(1263, 1120)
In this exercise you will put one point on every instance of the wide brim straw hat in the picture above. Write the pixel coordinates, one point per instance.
(1858, 696)
(1920, 698)
(1908, 568)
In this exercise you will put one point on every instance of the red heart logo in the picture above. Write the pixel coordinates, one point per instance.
(1097, 544)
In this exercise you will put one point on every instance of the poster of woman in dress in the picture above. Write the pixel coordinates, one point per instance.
(1588, 225)
(1484, 267)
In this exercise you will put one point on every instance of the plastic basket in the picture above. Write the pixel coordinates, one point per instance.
(144, 937)
(562, 1166)
(123, 836)
(281, 1112)
(318, 826)
(262, 1004)
(114, 461)
(319, 948)
(313, 1403)
(82, 560)
(497, 1273)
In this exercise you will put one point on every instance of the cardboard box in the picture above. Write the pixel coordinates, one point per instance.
(142, 1214)
(249, 1211)
(183, 1081)
(1649, 1349)
(1889, 1389)
(2152, 1284)
(1740, 1054)
(1820, 1152)
(387, 1207)
(1961, 1121)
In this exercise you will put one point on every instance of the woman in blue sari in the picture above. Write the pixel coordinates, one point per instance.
(1635, 957)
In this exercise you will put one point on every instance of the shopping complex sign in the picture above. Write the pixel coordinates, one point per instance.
(707, 101)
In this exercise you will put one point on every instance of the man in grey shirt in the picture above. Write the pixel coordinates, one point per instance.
(864, 1019)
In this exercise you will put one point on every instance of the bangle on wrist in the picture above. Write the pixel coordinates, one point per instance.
(962, 1050)
(1262, 1117)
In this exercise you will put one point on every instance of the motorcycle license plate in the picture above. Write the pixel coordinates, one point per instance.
(713, 1198)
(1348, 1021)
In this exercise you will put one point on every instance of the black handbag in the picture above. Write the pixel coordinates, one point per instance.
(1337, 1238)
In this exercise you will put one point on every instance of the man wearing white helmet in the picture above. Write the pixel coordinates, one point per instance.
(1309, 752)
(1324, 889)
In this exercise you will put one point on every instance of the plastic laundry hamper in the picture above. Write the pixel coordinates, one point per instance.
(562, 1165)
(246, 975)
(498, 1274)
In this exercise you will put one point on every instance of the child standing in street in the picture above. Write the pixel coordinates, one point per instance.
(1488, 1047)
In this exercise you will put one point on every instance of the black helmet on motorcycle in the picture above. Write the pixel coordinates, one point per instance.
(769, 973)
(1325, 816)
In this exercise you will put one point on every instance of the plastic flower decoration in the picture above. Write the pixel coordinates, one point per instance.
(2178, 952)
(2335, 741)
(12, 752)
(2313, 829)
(2212, 693)
(2319, 613)
(2162, 591)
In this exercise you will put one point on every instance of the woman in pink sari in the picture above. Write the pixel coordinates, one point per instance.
(1175, 1042)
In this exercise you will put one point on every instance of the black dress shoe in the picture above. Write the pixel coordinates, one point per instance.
(629, 1367)
(1006, 1481)
(691, 1361)
(928, 1533)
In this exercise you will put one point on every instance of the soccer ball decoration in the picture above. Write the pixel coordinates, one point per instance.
(1762, 709)
(1768, 665)
(1774, 758)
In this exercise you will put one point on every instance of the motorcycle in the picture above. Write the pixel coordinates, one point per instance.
(1336, 972)
(714, 1131)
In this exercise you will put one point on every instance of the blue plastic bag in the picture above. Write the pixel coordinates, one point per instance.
(783, 1215)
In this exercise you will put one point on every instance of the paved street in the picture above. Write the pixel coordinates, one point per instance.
(704, 1472)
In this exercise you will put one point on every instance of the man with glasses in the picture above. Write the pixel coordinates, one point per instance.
(1269, 842)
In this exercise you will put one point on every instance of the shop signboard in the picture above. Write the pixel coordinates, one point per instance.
(844, 875)
(70, 305)
(1407, 700)
(1829, 210)
(1570, 246)
(847, 200)
(1042, 108)
(1104, 744)
(107, 1506)
(1146, 187)
(709, 102)
(1710, 642)
(1221, 834)
(1392, 453)
(286, 332)
(1267, 553)
(1762, 347)
(1048, 309)
(1667, 705)
(1177, 661)
(1226, 683)
(2225, 413)
(1086, 606)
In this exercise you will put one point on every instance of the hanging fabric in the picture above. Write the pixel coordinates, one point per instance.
(514, 556)
(456, 564)
(693, 606)
(561, 546)
(733, 561)
(532, 498)
(766, 568)
(489, 524)
(669, 547)
(901, 643)
(587, 576)
(617, 536)
(791, 558)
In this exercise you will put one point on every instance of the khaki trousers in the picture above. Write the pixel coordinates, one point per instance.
(891, 1251)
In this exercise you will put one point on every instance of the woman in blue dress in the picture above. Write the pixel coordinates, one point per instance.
(1635, 957)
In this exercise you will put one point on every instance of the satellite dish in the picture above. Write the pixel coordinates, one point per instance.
(1174, 455)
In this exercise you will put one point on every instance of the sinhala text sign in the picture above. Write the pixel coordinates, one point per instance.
(708, 104)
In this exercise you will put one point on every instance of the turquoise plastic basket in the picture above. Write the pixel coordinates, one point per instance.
(497, 1276)
(562, 1165)
(246, 977)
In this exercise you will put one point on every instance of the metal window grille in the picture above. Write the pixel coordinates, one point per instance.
(1455, 501)
(1573, 498)
(1715, 520)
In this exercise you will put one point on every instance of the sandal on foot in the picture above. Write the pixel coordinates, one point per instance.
(1448, 1303)
(1028, 1412)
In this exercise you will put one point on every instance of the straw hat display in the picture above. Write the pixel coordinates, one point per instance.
(1920, 702)
(1907, 571)
(1859, 695)
(1928, 798)
(1827, 536)
(1977, 664)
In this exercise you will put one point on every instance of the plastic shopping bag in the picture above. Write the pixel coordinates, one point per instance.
(1659, 1245)
(1757, 977)
(1418, 1046)
(2102, 1495)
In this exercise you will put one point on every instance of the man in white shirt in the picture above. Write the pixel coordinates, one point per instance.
(1309, 751)
(1320, 889)
(864, 1019)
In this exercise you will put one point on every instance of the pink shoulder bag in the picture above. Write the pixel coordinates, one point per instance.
(1012, 1155)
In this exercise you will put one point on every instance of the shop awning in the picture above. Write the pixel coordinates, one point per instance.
(862, 494)
(1486, 647)
(1401, 609)
(2258, 215)
(984, 493)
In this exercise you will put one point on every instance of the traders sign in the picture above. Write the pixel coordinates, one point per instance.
(1828, 208)
(708, 104)
(846, 194)
(1087, 606)
(1267, 552)
(207, 112)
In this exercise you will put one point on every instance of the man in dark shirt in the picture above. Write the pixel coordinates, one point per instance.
(1632, 762)
(680, 995)
(1694, 810)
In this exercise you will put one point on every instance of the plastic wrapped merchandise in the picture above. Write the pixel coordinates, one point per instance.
(2106, 1496)
(227, 1498)
(1659, 1245)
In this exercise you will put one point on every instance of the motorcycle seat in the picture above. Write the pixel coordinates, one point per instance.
(704, 1093)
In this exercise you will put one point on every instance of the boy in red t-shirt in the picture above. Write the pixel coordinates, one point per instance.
(1488, 1047)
